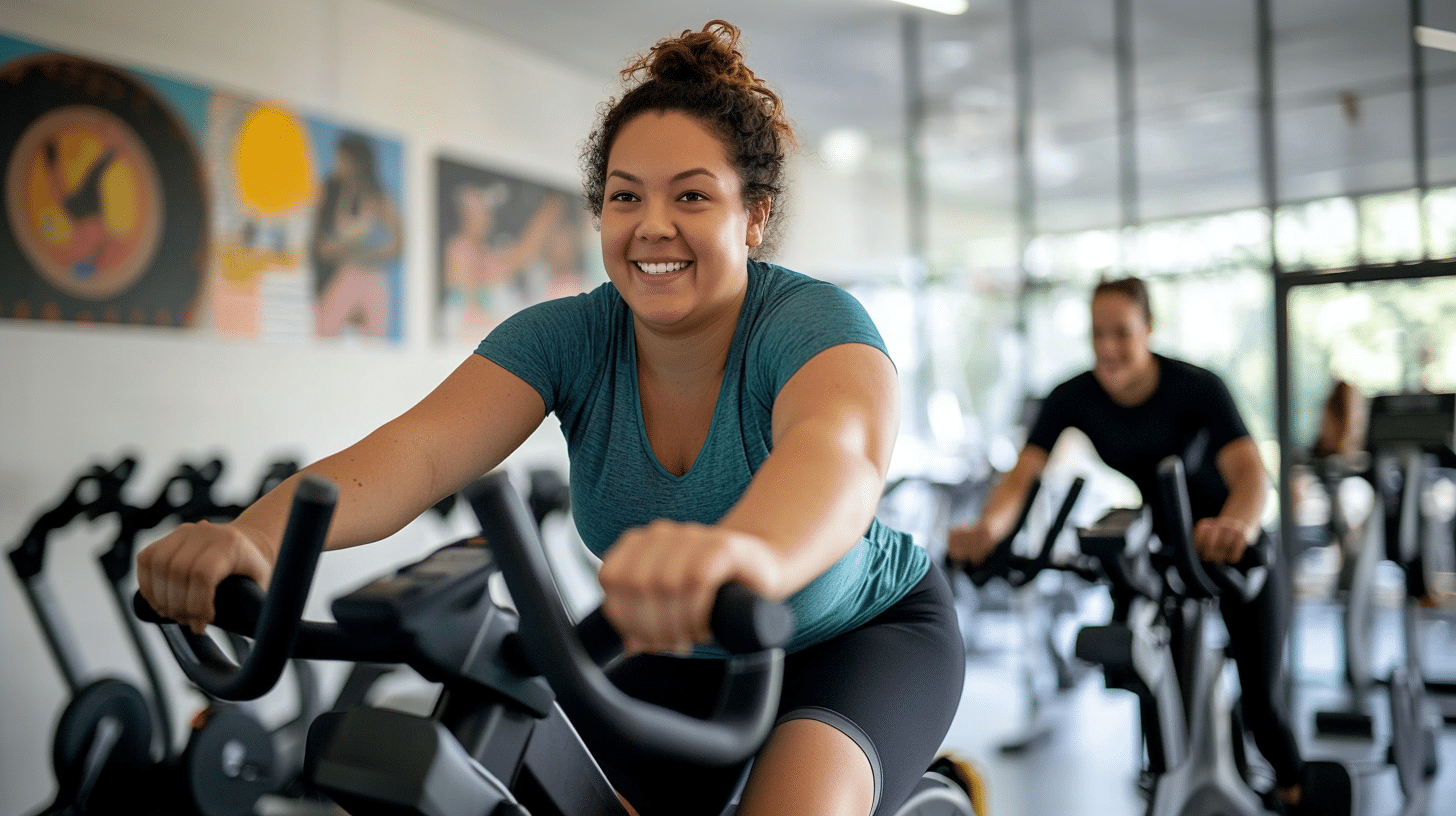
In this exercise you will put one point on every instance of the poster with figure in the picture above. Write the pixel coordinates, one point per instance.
(307, 226)
(105, 201)
(354, 238)
(504, 243)
(135, 198)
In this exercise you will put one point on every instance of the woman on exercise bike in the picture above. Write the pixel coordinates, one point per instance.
(726, 420)
(1138, 407)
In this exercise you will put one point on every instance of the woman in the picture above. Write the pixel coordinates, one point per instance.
(1137, 408)
(478, 277)
(356, 233)
(727, 420)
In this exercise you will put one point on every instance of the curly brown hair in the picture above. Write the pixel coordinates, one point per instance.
(702, 74)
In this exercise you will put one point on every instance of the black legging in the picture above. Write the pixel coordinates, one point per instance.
(891, 685)
(1256, 631)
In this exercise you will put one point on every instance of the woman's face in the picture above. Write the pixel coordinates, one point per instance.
(1120, 336)
(345, 168)
(675, 232)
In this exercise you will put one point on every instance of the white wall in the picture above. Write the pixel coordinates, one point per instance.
(71, 395)
(75, 395)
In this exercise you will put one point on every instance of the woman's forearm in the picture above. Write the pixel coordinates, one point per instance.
(382, 486)
(1243, 471)
(397, 472)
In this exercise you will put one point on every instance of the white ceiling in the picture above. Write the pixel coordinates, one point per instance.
(840, 64)
(835, 61)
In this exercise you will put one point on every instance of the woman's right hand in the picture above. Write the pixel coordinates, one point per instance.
(970, 544)
(179, 573)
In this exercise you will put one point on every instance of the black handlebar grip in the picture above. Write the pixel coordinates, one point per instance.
(1202, 579)
(743, 622)
(1245, 583)
(998, 562)
(1178, 529)
(273, 622)
(748, 700)
(238, 602)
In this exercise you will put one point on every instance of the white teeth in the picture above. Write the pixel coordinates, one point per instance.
(662, 268)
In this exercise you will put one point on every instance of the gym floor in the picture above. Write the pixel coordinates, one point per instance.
(1089, 762)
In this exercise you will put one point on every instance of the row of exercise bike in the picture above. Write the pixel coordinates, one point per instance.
(115, 745)
(498, 740)
(1411, 447)
(518, 679)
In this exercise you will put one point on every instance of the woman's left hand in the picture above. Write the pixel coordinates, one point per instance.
(1221, 540)
(660, 581)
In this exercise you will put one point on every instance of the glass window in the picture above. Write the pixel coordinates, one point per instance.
(1390, 227)
(1381, 337)
(1441, 222)
(1058, 336)
(1232, 240)
(1317, 235)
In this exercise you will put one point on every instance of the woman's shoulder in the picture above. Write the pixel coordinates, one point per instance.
(587, 313)
(1077, 386)
(785, 292)
(1183, 372)
(774, 280)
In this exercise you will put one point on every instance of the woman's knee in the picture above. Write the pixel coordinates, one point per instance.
(809, 766)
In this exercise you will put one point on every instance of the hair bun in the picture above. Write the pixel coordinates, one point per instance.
(702, 74)
(710, 55)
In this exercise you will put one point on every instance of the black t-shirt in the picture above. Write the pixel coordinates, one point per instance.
(1190, 413)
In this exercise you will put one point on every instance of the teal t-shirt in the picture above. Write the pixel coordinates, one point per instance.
(579, 354)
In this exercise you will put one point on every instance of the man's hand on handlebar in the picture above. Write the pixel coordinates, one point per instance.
(1222, 539)
(179, 573)
(971, 544)
(660, 580)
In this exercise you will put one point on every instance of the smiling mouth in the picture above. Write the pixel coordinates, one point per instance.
(662, 268)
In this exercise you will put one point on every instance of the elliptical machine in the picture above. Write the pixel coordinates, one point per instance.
(499, 740)
(1155, 647)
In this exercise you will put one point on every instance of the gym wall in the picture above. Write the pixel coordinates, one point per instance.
(73, 394)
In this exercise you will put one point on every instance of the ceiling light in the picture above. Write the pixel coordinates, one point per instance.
(1436, 38)
(942, 6)
(844, 149)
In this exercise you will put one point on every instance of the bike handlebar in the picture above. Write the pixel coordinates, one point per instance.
(752, 628)
(271, 619)
(1201, 579)
(747, 704)
(1020, 570)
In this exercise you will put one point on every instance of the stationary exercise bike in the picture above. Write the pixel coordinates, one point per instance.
(112, 751)
(499, 740)
(1047, 674)
(1409, 436)
(1155, 647)
(275, 754)
(104, 735)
